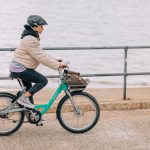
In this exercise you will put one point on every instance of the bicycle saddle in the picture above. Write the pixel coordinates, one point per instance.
(12, 76)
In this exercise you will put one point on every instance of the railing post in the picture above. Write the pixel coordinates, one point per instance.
(125, 72)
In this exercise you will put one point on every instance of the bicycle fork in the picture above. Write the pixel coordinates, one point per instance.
(72, 102)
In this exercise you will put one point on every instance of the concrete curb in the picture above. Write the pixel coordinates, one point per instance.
(124, 105)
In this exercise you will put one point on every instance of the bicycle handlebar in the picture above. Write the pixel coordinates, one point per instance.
(65, 71)
(71, 72)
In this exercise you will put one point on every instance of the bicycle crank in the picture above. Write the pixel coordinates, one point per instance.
(34, 116)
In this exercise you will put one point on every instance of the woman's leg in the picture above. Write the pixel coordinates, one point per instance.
(30, 75)
(28, 85)
(33, 76)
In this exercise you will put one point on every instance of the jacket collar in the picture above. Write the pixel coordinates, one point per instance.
(29, 31)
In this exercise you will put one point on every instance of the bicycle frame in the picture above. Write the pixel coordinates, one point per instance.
(35, 117)
(45, 107)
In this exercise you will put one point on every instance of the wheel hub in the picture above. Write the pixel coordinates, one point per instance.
(79, 112)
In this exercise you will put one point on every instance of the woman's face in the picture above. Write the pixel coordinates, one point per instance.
(39, 29)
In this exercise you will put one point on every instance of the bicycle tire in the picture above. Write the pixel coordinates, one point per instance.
(10, 97)
(75, 95)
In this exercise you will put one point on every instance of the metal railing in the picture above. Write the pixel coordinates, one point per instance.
(124, 74)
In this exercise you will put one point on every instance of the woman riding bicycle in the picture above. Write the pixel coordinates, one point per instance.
(28, 56)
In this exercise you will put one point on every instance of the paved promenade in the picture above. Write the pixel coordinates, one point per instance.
(124, 125)
(116, 130)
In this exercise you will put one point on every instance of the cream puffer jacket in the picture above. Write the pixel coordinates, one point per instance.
(30, 54)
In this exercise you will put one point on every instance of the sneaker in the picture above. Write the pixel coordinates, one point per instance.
(24, 101)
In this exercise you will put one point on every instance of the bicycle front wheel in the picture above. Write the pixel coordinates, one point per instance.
(11, 122)
(80, 118)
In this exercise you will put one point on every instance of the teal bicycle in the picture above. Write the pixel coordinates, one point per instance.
(77, 111)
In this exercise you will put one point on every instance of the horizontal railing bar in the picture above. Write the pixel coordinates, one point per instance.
(115, 74)
(94, 75)
(84, 48)
(87, 48)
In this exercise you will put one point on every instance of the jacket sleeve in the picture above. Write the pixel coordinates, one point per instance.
(40, 55)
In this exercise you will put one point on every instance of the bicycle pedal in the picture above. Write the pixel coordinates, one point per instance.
(39, 124)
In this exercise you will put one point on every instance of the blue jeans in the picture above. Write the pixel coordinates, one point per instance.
(30, 76)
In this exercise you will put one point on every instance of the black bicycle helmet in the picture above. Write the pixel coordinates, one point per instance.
(36, 20)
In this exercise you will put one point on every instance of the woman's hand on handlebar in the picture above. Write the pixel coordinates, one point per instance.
(62, 66)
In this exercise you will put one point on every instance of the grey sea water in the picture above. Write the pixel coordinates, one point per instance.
(83, 23)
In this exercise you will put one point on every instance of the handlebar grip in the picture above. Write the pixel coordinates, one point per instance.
(71, 72)
(59, 60)
(65, 71)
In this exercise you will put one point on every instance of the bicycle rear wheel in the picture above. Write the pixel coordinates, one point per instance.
(84, 118)
(11, 122)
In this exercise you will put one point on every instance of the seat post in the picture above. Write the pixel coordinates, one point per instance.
(23, 88)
